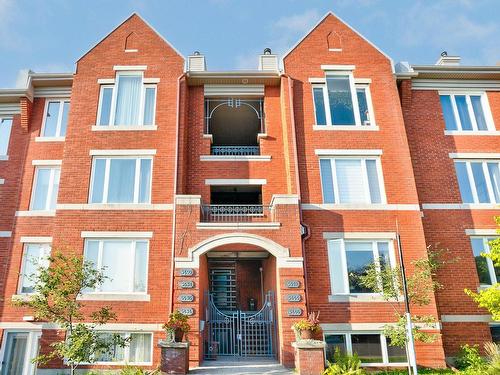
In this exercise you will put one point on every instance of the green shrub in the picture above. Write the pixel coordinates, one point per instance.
(493, 353)
(344, 365)
(469, 359)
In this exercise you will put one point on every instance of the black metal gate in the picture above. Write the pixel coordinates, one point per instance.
(240, 333)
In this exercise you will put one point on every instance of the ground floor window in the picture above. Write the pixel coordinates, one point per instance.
(371, 348)
(137, 351)
(495, 333)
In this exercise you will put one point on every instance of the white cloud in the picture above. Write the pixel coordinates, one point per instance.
(298, 23)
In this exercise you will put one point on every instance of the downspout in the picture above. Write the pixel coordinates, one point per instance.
(297, 183)
(176, 167)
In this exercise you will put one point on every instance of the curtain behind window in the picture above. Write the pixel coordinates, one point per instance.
(128, 100)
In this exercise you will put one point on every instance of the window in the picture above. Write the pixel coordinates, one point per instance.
(55, 119)
(5, 128)
(486, 271)
(129, 102)
(45, 189)
(34, 256)
(349, 259)
(121, 180)
(137, 351)
(495, 333)
(346, 180)
(124, 263)
(466, 112)
(341, 102)
(371, 348)
(479, 181)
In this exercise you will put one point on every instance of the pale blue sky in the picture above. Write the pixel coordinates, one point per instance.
(49, 36)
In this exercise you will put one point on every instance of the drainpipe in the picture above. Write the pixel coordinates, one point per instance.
(176, 167)
(297, 183)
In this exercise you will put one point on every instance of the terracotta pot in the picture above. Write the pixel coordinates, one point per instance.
(179, 334)
(306, 334)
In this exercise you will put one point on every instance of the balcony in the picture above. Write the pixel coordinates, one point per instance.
(237, 213)
(234, 125)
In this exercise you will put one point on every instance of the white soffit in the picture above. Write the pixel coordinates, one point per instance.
(240, 90)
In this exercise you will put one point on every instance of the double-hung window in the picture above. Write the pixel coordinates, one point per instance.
(35, 256)
(121, 180)
(351, 180)
(466, 112)
(479, 181)
(5, 129)
(350, 259)
(128, 102)
(45, 188)
(372, 348)
(341, 102)
(55, 119)
(124, 262)
(138, 350)
(486, 271)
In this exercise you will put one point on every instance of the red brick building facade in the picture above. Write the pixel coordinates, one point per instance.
(246, 199)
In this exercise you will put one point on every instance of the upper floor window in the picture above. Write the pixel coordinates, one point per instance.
(121, 180)
(352, 180)
(350, 259)
(479, 181)
(487, 272)
(129, 102)
(341, 102)
(5, 128)
(35, 256)
(138, 351)
(55, 119)
(45, 188)
(466, 112)
(124, 263)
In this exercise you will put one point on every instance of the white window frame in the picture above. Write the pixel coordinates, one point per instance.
(354, 97)
(126, 350)
(472, 182)
(114, 95)
(383, 344)
(489, 262)
(343, 257)
(133, 248)
(5, 156)
(378, 163)
(49, 190)
(61, 102)
(485, 106)
(22, 276)
(32, 346)
(106, 178)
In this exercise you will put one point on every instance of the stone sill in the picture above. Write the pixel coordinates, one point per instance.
(235, 158)
(309, 344)
(346, 127)
(174, 345)
(238, 225)
(114, 297)
(357, 298)
(472, 132)
(108, 128)
(50, 139)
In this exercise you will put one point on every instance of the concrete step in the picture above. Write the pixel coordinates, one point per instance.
(241, 367)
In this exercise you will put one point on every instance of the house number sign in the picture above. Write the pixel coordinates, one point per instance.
(186, 272)
(186, 311)
(294, 311)
(293, 297)
(292, 283)
(186, 284)
(186, 298)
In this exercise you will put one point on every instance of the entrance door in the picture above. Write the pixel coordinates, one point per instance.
(16, 348)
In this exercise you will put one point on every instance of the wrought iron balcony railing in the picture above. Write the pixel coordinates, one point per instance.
(235, 150)
(237, 213)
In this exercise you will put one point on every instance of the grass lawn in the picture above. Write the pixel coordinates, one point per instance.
(420, 371)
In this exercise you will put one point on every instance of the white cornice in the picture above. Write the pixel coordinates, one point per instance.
(347, 152)
(474, 155)
(121, 152)
(97, 234)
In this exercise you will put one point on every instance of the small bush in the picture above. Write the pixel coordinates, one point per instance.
(344, 365)
(469, 359)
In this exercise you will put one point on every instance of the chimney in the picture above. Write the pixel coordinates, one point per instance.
(448, 60)
(196, 62)
(268, 61)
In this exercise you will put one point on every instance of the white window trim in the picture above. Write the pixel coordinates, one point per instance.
(5, 157)
(343, 258)
(490, 124)
(126, 294)
(53, 168)
(383, 344)
(23, 262)
(472, 182)
(223, 181)
(366, 186)
(130, 153)
(46, 163)
(2, 181)
(145, 84)
(107, 169)
(474, 155)
(120, 235)
(58, 135)
(348, 152)
(39, 239)
(34, 336)
(354, 85)
(130, 68)
(489, 262)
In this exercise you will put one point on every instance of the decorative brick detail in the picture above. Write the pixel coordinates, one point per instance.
(309, 357)
(26, 110)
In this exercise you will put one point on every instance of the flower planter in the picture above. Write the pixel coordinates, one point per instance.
(179, 335)
(306, 334)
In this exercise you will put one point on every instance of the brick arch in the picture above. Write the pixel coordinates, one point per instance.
(282, 254)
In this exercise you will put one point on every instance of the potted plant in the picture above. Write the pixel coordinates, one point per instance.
(306, 327)
(177, 326)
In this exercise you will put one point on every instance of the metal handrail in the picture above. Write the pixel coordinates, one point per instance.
(237, 213)
(235, 150)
